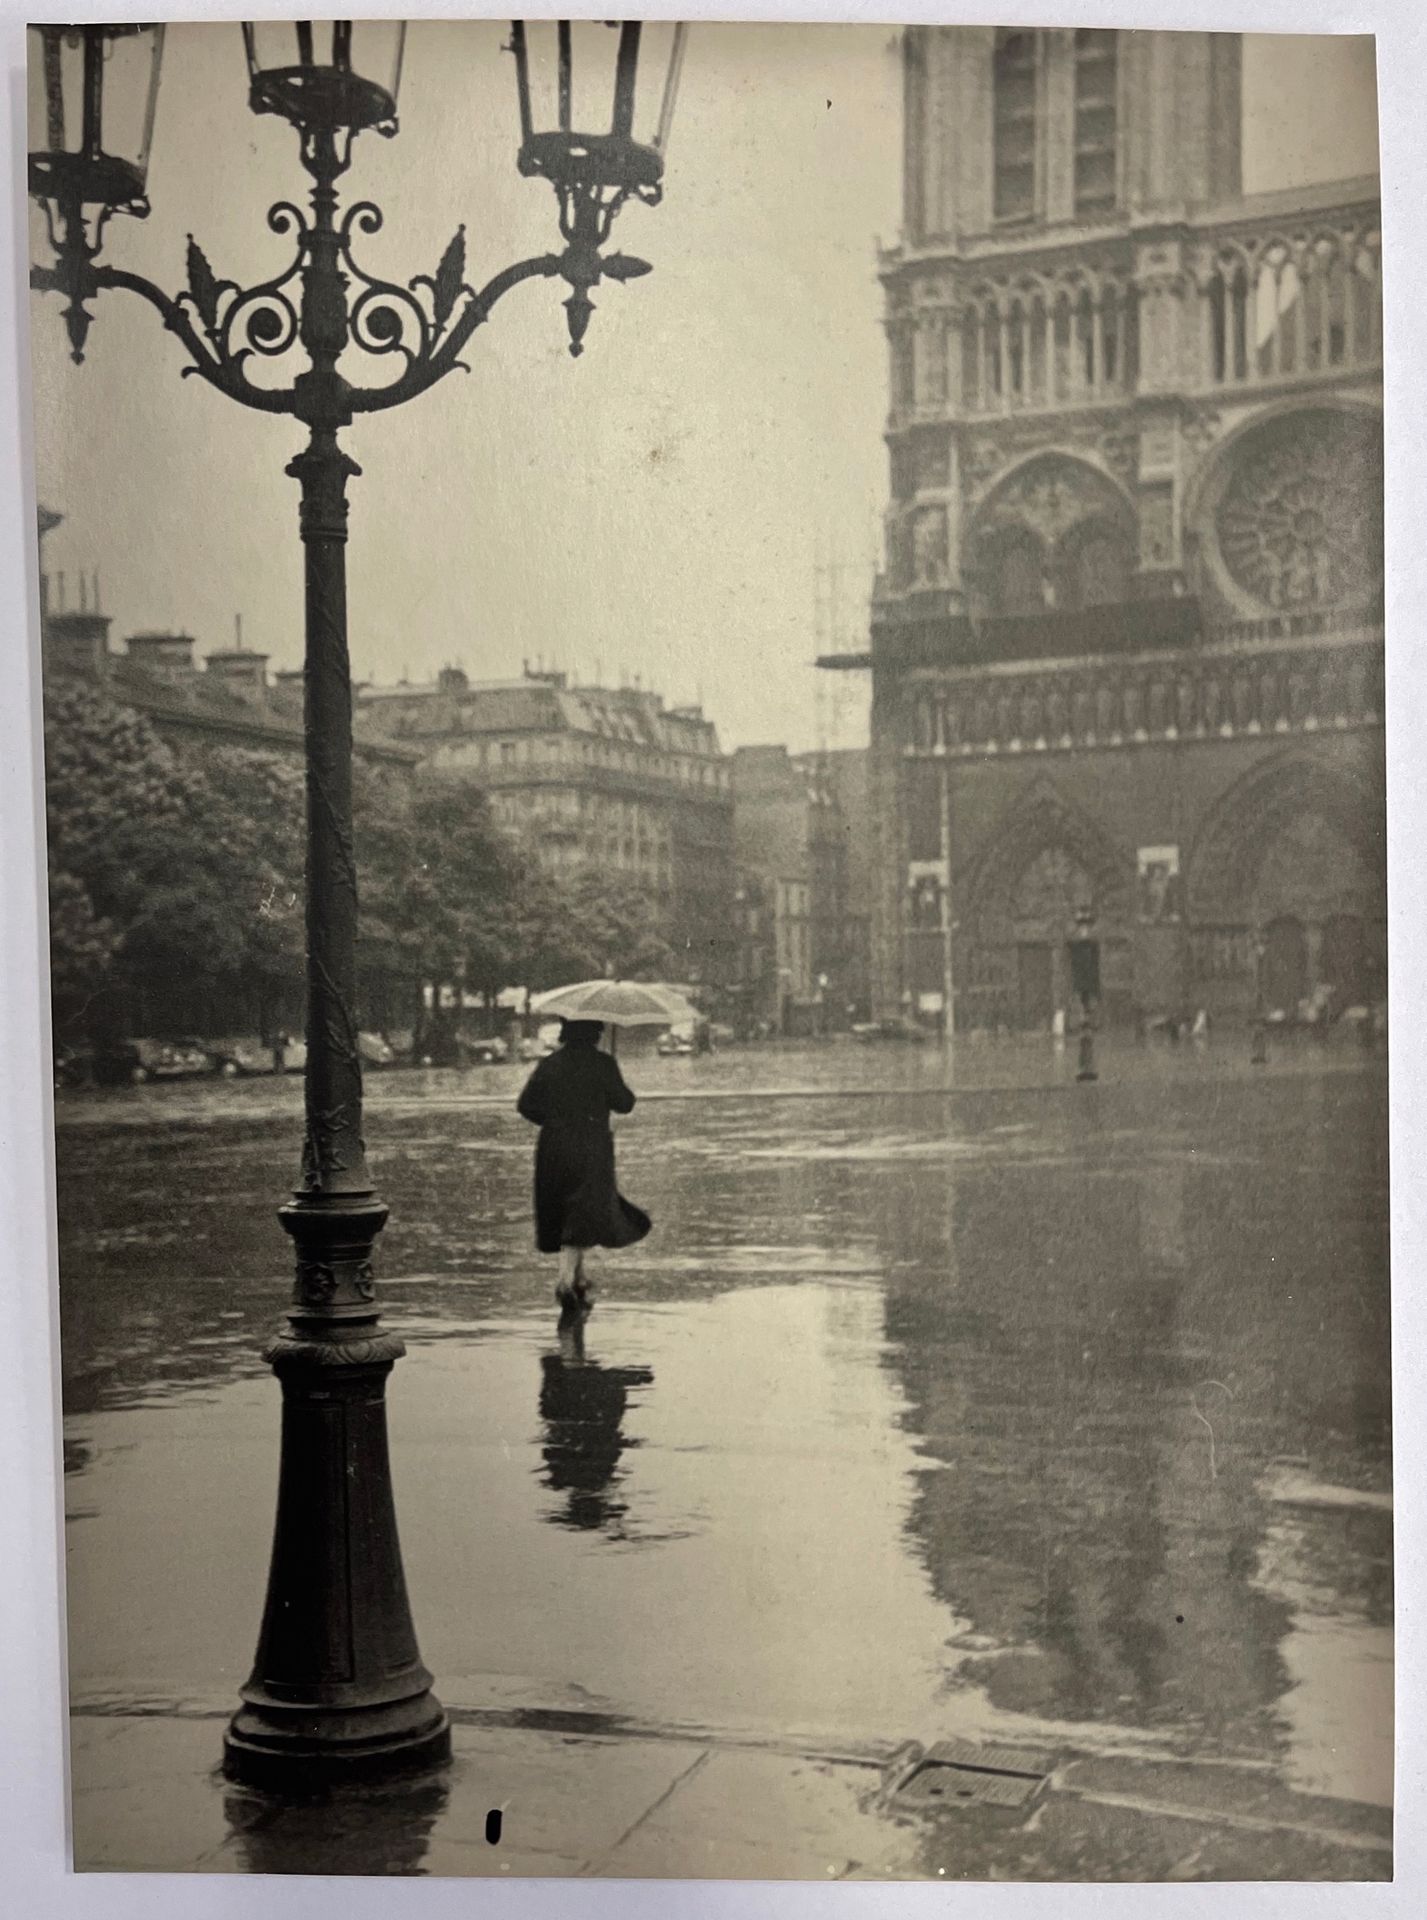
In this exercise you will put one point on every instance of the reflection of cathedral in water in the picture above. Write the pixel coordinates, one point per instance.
(583, 1404)
(1099, 1383)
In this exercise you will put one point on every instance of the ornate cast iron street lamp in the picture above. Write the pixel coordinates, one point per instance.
(1085, 983)
(1258, 1052)
(338, 1689)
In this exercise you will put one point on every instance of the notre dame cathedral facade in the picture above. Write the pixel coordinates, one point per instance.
(1127, 649)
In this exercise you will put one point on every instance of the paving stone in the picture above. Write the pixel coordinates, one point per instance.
(768, 1815)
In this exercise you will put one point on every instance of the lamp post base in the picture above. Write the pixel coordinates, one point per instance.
(295, 1750)
(338, 1690)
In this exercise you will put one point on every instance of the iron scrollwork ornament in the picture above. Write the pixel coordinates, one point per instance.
(236, 321)
(425, 322)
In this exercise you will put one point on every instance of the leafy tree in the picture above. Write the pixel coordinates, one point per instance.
(81, 950)
(437, 881)
(189, 863)
(590, 924)
(175, 867)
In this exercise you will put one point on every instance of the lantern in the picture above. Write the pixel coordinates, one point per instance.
(326, 75)
(92, 95)
(596, 102)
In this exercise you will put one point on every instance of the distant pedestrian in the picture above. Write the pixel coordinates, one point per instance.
(570, 1097)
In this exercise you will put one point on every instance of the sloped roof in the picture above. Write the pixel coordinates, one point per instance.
(202, 701)
(535, 706)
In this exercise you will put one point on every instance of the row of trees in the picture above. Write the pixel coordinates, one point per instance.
(176, 884)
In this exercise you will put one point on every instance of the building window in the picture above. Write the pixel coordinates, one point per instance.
(1013, 124)
(924, 827)
(903, 368)
(930, 368)
(1096, 121)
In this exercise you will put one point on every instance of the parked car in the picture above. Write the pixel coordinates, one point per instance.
(113, 1063)
(245, 1055)
(185, 1059)
(543, 1041)
(483, 1050)
(899, 1027)
(375, 1050)
(74, 1066)
(677, 1040)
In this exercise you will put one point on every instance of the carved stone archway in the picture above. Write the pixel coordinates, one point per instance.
(1293, 855)
(1045, 860)
(1043, 534)
(1227, 862)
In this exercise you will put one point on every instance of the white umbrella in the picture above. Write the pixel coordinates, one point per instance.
(617, 1003)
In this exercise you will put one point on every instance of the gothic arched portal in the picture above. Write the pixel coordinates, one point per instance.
(1295, 853)
(1046, 862)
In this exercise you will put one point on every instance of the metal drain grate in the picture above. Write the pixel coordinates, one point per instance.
(954, 1773)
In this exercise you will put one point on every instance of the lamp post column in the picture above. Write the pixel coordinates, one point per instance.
(1258, 1053)
(1085, 1063)
(338, 1689)
(1085, 984)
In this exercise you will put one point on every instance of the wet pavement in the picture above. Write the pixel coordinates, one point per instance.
(943, 1402)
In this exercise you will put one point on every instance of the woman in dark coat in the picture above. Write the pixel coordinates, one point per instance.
(570, 1097)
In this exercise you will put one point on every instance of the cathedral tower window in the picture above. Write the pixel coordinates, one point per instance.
(1096, 121)
(1014, 123)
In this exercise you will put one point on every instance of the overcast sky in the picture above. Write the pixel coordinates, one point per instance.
(663, 507)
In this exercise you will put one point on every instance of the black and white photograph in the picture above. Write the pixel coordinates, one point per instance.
(715, 804)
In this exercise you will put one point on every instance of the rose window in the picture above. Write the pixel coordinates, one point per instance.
(1300, 522)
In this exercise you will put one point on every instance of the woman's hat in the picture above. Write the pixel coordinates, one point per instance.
(581, 1033)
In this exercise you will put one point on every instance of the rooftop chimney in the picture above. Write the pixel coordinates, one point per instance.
(76, 642)
(166, 656)
(241, 670)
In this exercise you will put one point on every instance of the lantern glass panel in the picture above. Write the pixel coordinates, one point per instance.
(55, 89)
(598, 77)
(92, 95)
(373, 49)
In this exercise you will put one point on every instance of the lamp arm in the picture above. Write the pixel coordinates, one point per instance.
(424, 370)
(226, 375)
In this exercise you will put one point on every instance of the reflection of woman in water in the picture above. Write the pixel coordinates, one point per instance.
(583, 1405)
(570, 1097)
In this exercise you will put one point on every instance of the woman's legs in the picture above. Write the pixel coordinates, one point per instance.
(573, 1289)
